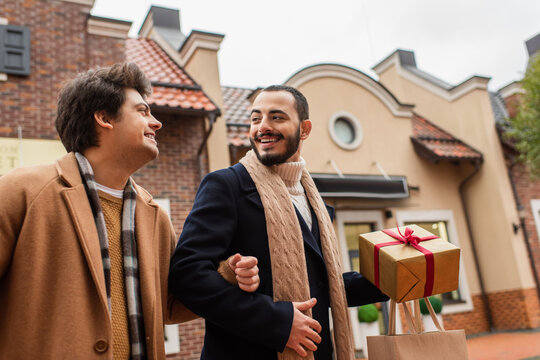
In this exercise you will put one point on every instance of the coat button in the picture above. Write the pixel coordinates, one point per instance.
(101, 346)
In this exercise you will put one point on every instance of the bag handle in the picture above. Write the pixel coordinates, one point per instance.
(392, 318)
(415, 326)
(438, 325)
(418, 316)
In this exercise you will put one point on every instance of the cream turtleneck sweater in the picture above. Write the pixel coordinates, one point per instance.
(291, 173)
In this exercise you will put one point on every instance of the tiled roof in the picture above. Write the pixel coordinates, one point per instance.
(172, 86)
(238, 136)
(435, 144)
(236, 107)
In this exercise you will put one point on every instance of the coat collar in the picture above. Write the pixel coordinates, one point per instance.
(69, 172)
(83, 221)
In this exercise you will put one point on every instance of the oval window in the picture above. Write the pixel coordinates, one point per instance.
(345, 130)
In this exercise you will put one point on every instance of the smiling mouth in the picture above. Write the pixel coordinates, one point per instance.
(151, 137)
(268, 138)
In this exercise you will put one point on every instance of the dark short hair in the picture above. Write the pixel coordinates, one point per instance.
(301, 103)
(101, 89)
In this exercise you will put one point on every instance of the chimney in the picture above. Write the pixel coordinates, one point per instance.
(533, 45)
(406, 58)
(165, 22)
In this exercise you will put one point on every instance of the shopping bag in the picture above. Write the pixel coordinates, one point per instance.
(440, 345)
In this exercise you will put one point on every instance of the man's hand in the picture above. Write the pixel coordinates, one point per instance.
(305, 330)
(246, 271)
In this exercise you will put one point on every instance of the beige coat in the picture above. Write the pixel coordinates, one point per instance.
(53, 303)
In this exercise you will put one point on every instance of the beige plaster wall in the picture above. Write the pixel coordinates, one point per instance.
(502, 254)
(203, 67)
(387, 141)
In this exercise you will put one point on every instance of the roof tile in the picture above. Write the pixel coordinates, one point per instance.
(237, 109)
(434, 143)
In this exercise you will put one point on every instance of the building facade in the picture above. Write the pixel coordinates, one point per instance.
(406, 148)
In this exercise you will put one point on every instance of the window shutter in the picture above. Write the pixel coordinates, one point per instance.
(15, 49)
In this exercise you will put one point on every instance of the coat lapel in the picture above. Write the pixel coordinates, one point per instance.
(309, 238)
(82, 219)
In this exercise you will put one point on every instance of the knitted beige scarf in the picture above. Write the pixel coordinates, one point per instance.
(289, 272)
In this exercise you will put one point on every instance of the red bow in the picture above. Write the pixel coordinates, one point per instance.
(409, 238)
(413, 240)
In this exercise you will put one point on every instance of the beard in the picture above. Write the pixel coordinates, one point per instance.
(291, 147)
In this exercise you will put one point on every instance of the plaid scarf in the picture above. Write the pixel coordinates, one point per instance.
(129, 249)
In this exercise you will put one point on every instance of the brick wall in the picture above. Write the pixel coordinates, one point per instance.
(512, 104)
(532, 306)
(191, 340)
(175, 173)
(473, 322)
(60, 47)
(528, 189)
(516, 309)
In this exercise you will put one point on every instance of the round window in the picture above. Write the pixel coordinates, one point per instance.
(345, 130)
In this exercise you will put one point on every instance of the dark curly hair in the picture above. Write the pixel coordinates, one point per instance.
(101, 89)
(301, 103)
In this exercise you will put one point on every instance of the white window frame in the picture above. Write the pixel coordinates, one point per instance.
(403, 216)
(358, 131)
(356, 216)
(350, 216)
(535, 208)
(172, 345)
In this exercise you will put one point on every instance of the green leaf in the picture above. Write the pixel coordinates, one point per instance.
(524, 128)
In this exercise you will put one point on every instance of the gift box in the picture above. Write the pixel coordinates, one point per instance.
(409, 263)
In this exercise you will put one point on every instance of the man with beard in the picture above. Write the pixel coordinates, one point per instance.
(267, 206)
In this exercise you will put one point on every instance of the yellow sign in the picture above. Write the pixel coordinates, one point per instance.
(9, 156)
(15, 152)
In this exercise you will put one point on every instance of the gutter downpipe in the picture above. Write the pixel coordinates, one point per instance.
(473, 243)
(211, 120)
(519, 206)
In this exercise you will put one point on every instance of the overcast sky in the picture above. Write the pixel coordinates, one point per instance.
(266, 42)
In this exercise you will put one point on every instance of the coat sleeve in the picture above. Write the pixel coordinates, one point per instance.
(208, 233)
(360, 291)
(13, 205)
(176, 311)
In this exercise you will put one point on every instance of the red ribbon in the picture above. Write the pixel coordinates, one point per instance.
(413, 240)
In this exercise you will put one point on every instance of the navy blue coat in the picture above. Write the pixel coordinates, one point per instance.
(228, 218)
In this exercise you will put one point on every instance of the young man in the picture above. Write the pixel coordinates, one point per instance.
(84, 251)
(267, 206)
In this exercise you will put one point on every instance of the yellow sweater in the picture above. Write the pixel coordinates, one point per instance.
(112, 211)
